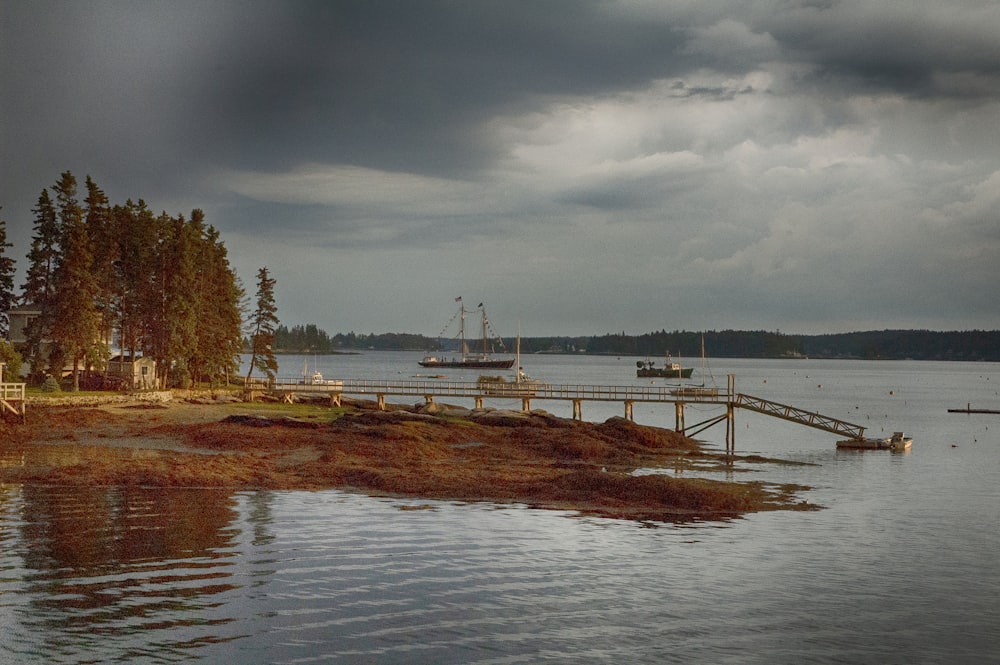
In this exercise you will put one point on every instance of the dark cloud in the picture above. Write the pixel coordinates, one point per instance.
(733, 164)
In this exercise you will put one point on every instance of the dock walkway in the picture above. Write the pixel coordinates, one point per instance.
(288, 389)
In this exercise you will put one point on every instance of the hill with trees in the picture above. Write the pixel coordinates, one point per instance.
(977, 345)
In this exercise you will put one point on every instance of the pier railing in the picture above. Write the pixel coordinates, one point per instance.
(12, 398)
(587, 392)
(792, 414)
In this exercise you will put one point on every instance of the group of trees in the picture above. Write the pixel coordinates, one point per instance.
(104, 275)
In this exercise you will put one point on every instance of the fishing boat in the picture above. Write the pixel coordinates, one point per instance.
(481, 359)
(670, 370)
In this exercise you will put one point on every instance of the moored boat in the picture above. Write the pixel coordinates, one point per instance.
(468, 360)
(898, 441)
(521, 386)
(316, 379)
(499, 386)
(670, 369)
(697, 390)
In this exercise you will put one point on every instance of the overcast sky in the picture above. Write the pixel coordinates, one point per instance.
(580, 167)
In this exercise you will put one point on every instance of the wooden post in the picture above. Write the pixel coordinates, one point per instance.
(526, 404)
(578, 409)
(628, 410)
(730, 414)
(730, 429)
(479, 401)
(380, 401)
(679, 417)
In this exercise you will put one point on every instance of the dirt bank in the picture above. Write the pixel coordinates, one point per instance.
(538, 460)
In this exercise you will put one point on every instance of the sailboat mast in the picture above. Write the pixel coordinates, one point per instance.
(517, 372)
(485, 348)
(461, 330)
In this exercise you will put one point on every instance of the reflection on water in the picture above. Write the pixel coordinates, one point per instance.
(96, 565)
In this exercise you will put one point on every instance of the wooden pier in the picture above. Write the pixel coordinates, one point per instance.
(577, 394)
(12, 397)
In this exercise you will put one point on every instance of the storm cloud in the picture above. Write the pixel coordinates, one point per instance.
(583, 167)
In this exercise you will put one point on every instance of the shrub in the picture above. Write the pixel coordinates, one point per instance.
(12, 359)
(51, 385)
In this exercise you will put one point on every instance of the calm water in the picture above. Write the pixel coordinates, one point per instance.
(901, 566)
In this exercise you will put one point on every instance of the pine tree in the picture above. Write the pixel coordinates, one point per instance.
(216, 356)
(37, 288)
(7, 297)
(135, 234)
(169, 310)
(263, 323)
(40, 282)
(72, 319)
(101, 232)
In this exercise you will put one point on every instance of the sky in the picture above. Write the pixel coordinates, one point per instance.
(581, 167)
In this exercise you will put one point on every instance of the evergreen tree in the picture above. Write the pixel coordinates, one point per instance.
(169, 316)
(37, 288)
(263, 323)
(135, 233)
(71, 317)
(7, 297)
(182, 297)
(101, 232)
(39, 282)
(216, 356)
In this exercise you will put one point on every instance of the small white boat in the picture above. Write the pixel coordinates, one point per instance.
(898, 441)
(499, 386)
(521, 386)
(316, 378)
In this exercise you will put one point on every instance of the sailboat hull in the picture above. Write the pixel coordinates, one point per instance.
(468, 363)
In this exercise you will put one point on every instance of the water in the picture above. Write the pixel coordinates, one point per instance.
(900, 566)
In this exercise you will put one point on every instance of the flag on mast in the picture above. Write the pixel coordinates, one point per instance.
(458, 299)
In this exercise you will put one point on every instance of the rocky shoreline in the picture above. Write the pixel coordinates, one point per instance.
(613, 469)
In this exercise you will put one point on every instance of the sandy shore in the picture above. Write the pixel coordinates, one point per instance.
(505, 457)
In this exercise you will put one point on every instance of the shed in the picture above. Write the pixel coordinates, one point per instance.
(135, 372)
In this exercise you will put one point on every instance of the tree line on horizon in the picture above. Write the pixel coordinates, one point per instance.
(975, 345)
(103, 275)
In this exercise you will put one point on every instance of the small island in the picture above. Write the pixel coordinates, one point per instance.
(614, 469)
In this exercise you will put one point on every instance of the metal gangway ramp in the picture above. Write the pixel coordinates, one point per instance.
(792, 414)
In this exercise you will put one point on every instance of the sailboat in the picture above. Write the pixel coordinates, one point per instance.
(522, 385)
(469, 360)
(316, 378)
(697, 391)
